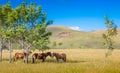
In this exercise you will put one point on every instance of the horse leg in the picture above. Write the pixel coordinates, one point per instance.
(16, 58)
(33, 60)
(13, 58)
(23, 59)
(64, 59)
(57, 59)
(43, 60)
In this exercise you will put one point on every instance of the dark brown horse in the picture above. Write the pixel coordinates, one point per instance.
(59, 56)
(20, 55)
(40, 56)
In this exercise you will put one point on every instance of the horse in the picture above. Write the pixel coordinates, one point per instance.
(40, 56)
(20, 55)
(59, 56)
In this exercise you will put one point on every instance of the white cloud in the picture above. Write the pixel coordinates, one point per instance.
(76, 28)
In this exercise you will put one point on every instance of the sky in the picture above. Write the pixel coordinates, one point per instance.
(83, 15)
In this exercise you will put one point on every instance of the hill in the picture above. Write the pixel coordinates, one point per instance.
(63, 37)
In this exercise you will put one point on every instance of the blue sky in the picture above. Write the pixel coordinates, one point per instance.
(85, 15)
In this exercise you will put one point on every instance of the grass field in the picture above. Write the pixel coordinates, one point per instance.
(78, 61)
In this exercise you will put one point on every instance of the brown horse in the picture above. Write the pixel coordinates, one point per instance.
(40, 56)
(59, 56)
(20, 55)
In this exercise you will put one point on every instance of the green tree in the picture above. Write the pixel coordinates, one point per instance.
(20, 35)
(41, 37)
(109, 36)
(1, 33)
(1, 42)
(35, 24)
(4, 12)
(25, 24)
(9, 36)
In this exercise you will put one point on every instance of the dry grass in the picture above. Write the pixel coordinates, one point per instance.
(78, 61)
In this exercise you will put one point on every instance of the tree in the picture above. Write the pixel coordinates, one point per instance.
(4, 12)
(25, 24)
(9, 36)
(34, 23)
(1, 33)
(41, 37)
(1, 42)
(109, 36)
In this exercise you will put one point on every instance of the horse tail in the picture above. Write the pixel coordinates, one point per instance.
(65, 58)
(33, 59)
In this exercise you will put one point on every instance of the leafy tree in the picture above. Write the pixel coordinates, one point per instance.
(34, 33)
(4, 12)
(41, 37)
(25, 24)
(20, 35)
(109, 36)
(1, 42)
(1, 33)
(9, 36)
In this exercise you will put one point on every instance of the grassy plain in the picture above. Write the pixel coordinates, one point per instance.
(78, 61)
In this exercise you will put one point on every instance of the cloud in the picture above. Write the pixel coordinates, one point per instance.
(76, 28)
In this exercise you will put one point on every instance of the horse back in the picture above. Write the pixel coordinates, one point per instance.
(19, 55)
(63, 54)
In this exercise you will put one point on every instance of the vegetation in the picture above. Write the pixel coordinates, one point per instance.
(78, 39)
(26, 25)
(109, 36)
(78, 61)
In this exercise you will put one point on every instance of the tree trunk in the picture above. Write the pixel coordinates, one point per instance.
(10, 52)
(22, 43)
(1, 53)
(1, 44)
(106, 54)
(26, 55)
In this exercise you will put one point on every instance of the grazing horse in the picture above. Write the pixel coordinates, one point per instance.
(20, 55)
(59, 56)
(40, 56)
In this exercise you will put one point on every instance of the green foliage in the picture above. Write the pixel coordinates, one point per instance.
(41, 38)
(54, 44)
(25, 24)
(109, 36)
(60, 43)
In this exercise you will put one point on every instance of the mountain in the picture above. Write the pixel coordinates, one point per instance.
(63, 37)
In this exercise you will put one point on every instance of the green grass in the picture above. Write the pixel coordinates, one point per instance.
(78, 61)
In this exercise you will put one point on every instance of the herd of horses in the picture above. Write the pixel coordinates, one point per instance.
(40, 56)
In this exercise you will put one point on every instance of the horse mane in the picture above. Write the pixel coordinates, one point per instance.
(42, 56)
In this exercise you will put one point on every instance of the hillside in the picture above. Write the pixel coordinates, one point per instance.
(63, 37)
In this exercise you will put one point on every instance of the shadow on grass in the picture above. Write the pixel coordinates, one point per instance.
(46, 61)
(55, 61)
(75, 61)
(5, 59)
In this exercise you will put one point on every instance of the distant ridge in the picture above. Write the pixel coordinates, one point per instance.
(78, 39)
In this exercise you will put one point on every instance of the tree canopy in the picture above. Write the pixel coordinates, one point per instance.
(25, 24)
